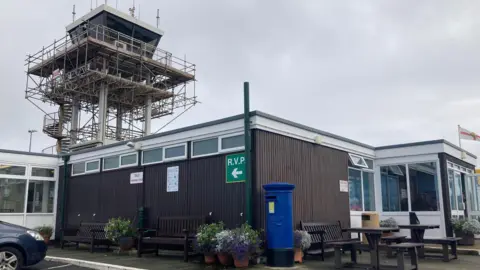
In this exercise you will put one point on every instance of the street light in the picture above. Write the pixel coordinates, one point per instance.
(31, 131)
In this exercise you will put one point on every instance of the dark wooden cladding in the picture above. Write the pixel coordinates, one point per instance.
(202, 190)
(98, 197)
(447, 208)
(315, 171)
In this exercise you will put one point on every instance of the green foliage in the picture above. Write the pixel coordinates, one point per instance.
(44, 230)
(206, 237)
(118, 227)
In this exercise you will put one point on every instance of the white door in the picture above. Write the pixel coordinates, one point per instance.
(473, 196)
(456, 194)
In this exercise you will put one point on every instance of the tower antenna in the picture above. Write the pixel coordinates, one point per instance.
(139, 11)
(91, 4)
(73, 14)
(132, 9)
(158, 17)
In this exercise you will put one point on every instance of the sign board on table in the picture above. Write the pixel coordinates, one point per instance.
(235, 168)
(136, 178)
(172, 179)
(343, 186)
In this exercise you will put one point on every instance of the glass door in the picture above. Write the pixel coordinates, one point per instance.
(456, 190)
(473, 196)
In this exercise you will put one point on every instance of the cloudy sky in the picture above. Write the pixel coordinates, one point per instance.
(380, 72)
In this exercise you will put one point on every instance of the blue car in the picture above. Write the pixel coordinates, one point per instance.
(20, 247)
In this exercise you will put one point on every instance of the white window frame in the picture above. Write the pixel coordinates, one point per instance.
(209, 154)
(85, 167)
(103, 163)
(234, 149)
(407, 177)
(128, 165)
(364, 165)
(42, 177)
(165, 159)
(11, 176)
(154, 162)
(92, 161)
(368, 170)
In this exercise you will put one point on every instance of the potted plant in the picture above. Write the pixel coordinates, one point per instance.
(302, 241)
(388, 223)
(120, 231)
(46, 232)
(207, 241)
(466, 229)
(223, 248)
(244, 243)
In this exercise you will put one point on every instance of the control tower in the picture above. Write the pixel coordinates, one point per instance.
(108, 80)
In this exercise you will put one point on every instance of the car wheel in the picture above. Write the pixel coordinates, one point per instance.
(10, 259)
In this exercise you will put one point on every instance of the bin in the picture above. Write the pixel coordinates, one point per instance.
(279, 224)
(370, 220)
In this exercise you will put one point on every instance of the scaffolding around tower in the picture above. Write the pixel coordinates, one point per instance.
(108, 81)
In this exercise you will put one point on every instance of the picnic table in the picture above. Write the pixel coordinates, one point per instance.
(373, 236)
(417, 232)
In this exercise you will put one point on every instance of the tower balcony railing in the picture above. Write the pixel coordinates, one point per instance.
(111, 37)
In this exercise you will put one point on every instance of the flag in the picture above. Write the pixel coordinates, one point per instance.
(467, 134)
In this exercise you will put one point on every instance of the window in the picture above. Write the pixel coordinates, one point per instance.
(205, 147)
(110, 163)
(355, 192)
(358, 161)
(423, 186)
(152, 156)
(175, 152)
(368, 191)
(93, 166)
(130, 159)
(12, 195)
(232, 142)
(394, 188)
(43, 172)
(12, 170)
(40, 196)
(78, 168)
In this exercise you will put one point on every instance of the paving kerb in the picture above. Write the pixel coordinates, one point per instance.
(90, 264)
(463, 251)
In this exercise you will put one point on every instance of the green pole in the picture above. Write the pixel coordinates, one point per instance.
(248, 149)
(64, 188)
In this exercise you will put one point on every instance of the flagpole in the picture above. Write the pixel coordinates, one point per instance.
(459, 137)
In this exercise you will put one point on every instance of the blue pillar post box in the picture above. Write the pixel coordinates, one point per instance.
(279, 224)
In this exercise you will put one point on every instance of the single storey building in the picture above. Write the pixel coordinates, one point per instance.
(198, 170)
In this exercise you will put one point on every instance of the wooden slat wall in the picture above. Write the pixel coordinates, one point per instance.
(314, 169)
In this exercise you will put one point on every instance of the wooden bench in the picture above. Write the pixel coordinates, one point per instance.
(341, 246)
(324, 235)
(411, 248)
(392, 239)
(171, 233)
(446, 242)
(87, 233)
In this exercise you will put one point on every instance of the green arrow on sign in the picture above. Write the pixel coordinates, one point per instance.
(235, 168)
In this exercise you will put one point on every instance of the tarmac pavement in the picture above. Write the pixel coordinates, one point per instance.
(47, 265)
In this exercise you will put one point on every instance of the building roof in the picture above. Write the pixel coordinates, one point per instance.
(117, 13)
(424, 143)
(6, 151)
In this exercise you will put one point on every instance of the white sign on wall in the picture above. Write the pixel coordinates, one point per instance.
(136, 178)
(172, 179)
(343, 186)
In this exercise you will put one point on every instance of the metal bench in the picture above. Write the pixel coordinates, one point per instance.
(324, 236)
(171, 233)
(411, 248)
(90, 233)
(446, 242)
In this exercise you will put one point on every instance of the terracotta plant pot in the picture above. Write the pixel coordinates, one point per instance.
(126, 243)
(225, 258)
(298, 255)
(210, 259)
(46, 239)
(241, 262)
